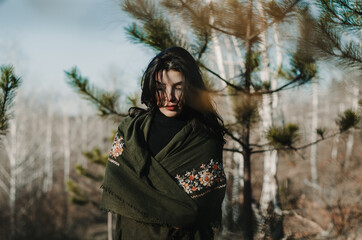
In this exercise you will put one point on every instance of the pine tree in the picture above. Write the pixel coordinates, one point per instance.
(335, 32)
(8, 85)
(155, 27)
(82, 191)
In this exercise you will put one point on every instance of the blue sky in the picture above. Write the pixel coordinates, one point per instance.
(42, 38)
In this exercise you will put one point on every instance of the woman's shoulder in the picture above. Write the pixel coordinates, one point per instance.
(133, 117)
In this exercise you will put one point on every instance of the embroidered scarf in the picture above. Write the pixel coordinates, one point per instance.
(182, 186)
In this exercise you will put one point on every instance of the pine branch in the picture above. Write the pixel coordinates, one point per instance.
(140, 9)
(154, 33)
(351, 52)
(295, 148)
(8, 85)
(324, 34)
(228, 83)
(205, 38)
(88, 174)
(196, 15)
(266, 26)
(344, 3)
(294, 81)
(351, 17)
(155, 30)
(105, 102)
(349, 119)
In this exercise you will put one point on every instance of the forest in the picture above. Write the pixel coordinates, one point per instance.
(285, 75)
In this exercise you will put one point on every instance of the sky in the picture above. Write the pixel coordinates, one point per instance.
(43, 38)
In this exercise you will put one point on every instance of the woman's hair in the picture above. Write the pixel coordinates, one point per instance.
(195, 97)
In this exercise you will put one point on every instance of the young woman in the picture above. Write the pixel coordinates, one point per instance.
(164, 177)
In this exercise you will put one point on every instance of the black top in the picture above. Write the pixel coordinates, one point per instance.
(163, 129)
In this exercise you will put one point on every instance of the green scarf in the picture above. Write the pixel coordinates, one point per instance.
(182, 186)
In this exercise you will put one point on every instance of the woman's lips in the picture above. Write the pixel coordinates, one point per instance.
(171, 108)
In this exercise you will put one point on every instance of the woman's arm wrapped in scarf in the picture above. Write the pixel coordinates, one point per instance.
(182, 186)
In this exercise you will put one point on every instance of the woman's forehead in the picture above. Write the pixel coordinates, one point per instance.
(170, 77)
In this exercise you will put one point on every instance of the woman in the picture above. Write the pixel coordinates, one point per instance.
(164, 177)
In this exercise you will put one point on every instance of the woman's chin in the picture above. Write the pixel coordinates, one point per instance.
(169, 113)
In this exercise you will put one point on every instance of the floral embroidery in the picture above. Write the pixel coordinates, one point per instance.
(117, 149)
(198, 182)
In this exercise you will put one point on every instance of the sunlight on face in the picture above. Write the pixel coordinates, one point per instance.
(169, 92)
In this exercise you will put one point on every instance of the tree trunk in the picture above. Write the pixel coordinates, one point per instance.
(313, 148)
(269, 194)
(48, 182)
(10, 147)
(334, 152)
(237, 185)
(350, 140)
(66, 146)
(84, 137)
(248, 212)
(109, 226)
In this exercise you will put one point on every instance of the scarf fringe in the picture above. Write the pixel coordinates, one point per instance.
(157, 221)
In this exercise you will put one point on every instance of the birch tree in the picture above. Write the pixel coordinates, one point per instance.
(48, 165)
(350, 140)
(22, 168)
(313, 148)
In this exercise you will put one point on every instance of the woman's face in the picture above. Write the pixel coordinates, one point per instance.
(169, 92)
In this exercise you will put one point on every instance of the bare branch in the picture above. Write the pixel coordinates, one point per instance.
(295, 80)
(4, 187)
(232, 150)
(222, 79)
(295, 148)
(235, 138)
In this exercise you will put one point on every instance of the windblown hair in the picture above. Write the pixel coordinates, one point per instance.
(196, 101)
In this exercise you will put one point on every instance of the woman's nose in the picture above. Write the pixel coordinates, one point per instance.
(170, 95)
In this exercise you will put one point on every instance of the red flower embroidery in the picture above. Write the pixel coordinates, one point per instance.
(207, 177)
(117, 149)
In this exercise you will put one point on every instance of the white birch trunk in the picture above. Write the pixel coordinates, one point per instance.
(238, 53)
(334, 152)
(221, 69)
(229, 58)
(109, 226)
(238, 183)
(266, 120)
(84, 137)
(350, 140)
(278, 59)
(66, 146)
(75, 137)
(48, 182)
(10, 147)
(313, 149)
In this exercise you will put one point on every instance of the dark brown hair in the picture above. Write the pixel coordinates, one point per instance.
(196, 99)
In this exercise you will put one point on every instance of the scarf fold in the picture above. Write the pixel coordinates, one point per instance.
(182, 186)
